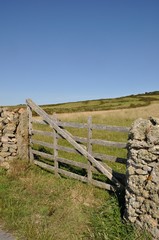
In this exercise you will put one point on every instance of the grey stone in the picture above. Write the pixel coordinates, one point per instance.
(142, 175)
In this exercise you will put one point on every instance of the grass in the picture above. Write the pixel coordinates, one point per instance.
(124, 117)
(35, 204)
(97, 134)
(126, 102)
(132, 101)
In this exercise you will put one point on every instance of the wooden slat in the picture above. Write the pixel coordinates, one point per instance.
(102, 185)
(39, 121)
(67, 149)
(44, 165)
(110, 128)
(60, 131)
(72, 175)
(45, 144)
(45, 133)
(72, 124)
(72, 150)
(85, 125)
(80, 139)
(94, 126)
(42, 154)
(73, 163)
(84, 140)
(109, 143)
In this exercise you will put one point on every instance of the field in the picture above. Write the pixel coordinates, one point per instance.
(132, 101)
(35, 204)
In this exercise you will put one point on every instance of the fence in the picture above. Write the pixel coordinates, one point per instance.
(88, 168)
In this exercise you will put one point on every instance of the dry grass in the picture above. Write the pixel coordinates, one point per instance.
(37, 205)
(119, 117)
(122, 114)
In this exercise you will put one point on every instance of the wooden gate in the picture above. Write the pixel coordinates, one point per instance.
(57, 132)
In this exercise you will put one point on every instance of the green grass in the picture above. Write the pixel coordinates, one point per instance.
(132, 101)
(97, 134)
(35, 204)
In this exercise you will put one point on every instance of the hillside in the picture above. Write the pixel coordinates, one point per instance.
(131, 101)
(125, 102)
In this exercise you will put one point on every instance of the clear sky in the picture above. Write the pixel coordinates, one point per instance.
(55, 51)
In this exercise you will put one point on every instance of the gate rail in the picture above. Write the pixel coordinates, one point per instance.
(93, 163)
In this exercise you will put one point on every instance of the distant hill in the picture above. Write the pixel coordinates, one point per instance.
(131, 101)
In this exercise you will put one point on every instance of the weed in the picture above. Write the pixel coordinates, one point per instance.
(106, 224)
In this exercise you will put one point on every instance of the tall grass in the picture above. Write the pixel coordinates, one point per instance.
(36, 205)
(124, 117)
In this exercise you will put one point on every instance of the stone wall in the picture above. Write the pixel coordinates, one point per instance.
(13, 135)
(142, 185)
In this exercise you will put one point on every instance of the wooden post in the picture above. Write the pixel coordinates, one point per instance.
(29, 111)
(56, 165)
(89, 148)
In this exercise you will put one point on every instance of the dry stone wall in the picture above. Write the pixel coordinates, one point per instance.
(13, 135)
(142, 186)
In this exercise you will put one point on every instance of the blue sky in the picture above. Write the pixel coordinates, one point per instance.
(57, 51)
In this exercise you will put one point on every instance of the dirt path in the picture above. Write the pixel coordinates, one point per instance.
(5, 235)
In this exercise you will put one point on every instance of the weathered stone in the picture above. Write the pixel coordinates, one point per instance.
(13, 146)
(1, 158)
(5, 148)
(4, 139)
(146, 155)
(12, 150)
(146, 168)
(12, 140)
(14, 154)
(12, 158)
(5, 154)
(1, 125)
(153, 135)
(10, 129)
(5, 121)
(141, 172)
(1, 119)
(140, 199)
(136, 144)
(9, 121)
(131, 170)
(142, 175)
(139, 129)
(154, 150)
